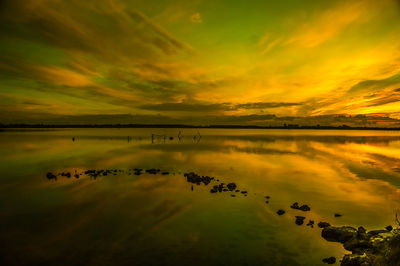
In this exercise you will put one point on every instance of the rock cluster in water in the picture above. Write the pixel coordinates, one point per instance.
(105, 172)
(368, 248)
(197, 179)
(365, 246)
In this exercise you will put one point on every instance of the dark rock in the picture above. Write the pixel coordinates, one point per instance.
(165, 173)
(243, 192)
(339, 234)
(362, 233)
(195, 178)
(338, 215)
(356, 244)
(311, 223)
(237, 190)
(356, 260)
(299, 220)
(302, 207)
(389, 228)
(361, 230)
(330, 260)
(376, 232)
(267, 197)
(51, 176)
(171, 138)
(76, 175)
(323, 224)
(138, 171)
(231, 186)
(233, 195)
(267, 201)
(152, 171)
(280, 212)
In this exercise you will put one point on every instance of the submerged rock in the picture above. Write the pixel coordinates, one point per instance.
(330, 260)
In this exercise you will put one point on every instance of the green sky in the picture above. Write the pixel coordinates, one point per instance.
(246, 62)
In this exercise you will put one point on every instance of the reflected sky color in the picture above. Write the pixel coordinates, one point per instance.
(153, 219)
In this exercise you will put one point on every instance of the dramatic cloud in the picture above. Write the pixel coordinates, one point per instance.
(205, 61)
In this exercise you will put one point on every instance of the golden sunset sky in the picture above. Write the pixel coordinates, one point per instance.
(200, 61)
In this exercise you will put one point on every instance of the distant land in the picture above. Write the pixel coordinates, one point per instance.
(285, 126)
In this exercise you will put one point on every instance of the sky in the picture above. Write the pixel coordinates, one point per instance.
(200, 62)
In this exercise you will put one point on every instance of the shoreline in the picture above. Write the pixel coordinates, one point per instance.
(177, 126)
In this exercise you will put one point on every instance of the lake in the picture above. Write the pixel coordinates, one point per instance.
(162, 219)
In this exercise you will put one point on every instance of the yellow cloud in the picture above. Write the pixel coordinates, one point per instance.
(330, 24)
(196, 18)
(62, 76)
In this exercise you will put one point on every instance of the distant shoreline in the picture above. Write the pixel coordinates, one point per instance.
(343, 127)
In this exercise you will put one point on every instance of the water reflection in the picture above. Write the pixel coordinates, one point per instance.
(152, 219)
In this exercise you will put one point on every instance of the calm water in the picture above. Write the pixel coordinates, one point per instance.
(149, 219)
